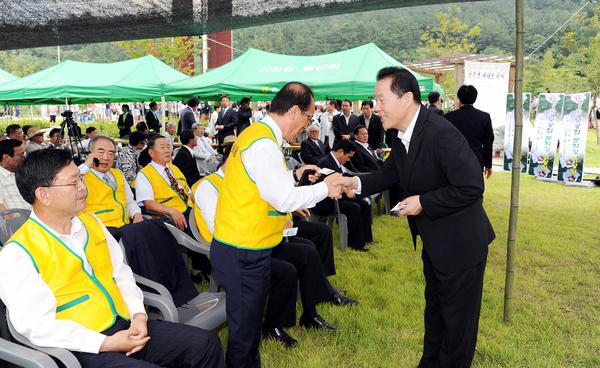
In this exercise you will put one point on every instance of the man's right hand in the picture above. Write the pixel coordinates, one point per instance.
(123, 342)
(89, 161)
(348, 182)
(334, 190)
(179, 219)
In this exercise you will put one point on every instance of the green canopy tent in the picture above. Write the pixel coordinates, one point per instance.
(258, 74)
(138, 79)
(6, 77)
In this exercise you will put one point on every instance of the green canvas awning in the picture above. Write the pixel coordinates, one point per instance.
(138, 79)
(6, 77)
(349, 74)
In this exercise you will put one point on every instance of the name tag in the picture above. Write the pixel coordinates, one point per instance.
(290, 232)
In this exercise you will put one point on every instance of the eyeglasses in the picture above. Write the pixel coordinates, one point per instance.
(73, 184)
(308, 117)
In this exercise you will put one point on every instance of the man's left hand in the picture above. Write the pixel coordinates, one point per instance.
(488, 172)
(138, 218)
(412, 206)
(139, 326)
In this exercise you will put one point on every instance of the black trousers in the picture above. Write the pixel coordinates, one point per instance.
(358, 213)
(314, 287)
(452, 306)
(170, 345)
(283, 293)
(320, 235)
(246, 276)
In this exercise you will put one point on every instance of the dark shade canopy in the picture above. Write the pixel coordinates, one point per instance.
(34, 23)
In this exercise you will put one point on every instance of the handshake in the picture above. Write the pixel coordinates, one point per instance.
(336, 183)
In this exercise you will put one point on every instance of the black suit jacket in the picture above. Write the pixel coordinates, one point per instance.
(375, 129)
(187, 164)
(327, 161)
(341, 128)
(186, 120)
(125, 126)
(364, 161)
(311, 152)
(243, 119)
(152, 121)
(435, 110)
(229, 120)
(441, 168)
(476, 126)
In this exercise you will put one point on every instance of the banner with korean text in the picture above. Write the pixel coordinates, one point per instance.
(548, 123)
(491, 81)
(509, 131)
(573, 137)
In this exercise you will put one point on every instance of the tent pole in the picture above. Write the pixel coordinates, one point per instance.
(163, 106)
(516, 167)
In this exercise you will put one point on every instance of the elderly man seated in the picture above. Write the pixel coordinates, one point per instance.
(207, 159)
(64, 282)
(35, 138)
(313, 149)
(109, 195)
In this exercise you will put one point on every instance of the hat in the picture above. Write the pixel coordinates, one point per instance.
(229, 139)
(33, 131)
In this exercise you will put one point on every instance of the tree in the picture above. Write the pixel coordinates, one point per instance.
(451, 35)
(173, 51)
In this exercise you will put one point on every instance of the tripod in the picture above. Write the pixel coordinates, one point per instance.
(73, 135)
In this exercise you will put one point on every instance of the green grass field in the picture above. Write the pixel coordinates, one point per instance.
(556, 318)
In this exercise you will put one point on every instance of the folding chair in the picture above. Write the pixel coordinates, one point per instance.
(15, 218)
(212, 286)
(342, 223)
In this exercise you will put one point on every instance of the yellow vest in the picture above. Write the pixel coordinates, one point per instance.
(216, 181)
(243, 219)
(104, 202)
(163, 193)
(91, 300)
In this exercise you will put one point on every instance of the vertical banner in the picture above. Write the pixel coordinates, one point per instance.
(509, 131)
(547, 128)
(573, 137)
(491, 81)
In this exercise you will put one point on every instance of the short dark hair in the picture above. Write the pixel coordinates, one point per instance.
(90, 130)
(333, 102)
(7, 147)
(53, 131)
(186, 136)
(345, 145)
(245, 100)
(153, 139)
(349, 102)
(26, 128)
(293, 93)
(193, 101)
(141, 126)
(39, 170)
(124, 106)
(402, 81)
(358, 128)
(136, 137)
(224, 96)
(152, 104)
(12, 128)
(226, 151)
(433, 97)
(467, 94)
(367, 102)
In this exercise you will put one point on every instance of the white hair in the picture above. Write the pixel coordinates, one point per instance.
(170, 125)
(312, 127)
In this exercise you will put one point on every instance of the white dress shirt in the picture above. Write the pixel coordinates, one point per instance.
(9, 195)
(344, 170)
(265, 165)
(143, 188)
(326, 129)
(206, 199)
(367, 147)
(212, 122)
(131, 206)
(170, 138)
(207, 160)
(32, 304)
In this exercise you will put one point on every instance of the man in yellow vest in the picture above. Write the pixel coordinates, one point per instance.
(257, 193)
(109, 195)
(64, 282)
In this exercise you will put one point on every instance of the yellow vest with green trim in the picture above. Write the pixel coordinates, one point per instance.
(243, 219)
(216, 181)
(104, 202)
(163, 193)
(91, 300)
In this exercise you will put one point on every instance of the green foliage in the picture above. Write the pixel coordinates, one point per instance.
(104, 126)
(451, 35)
(173, 51)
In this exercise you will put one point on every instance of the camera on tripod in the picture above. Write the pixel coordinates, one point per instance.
(73, 130)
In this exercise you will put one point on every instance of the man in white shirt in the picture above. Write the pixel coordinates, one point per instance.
(35, 138)
(61, 293)
(212, 130)
(207, 159)
(91, 132)
(327, 135)
(11, 156)
(170, 133)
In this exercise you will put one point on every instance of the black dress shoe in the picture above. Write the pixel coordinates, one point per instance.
(316, 322)
(280, 335)
(341, 299)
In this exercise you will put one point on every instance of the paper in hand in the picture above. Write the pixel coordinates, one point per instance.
(398, 207)
(292, 231)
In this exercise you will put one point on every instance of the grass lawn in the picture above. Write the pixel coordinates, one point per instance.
(592, 150)
(556, 318)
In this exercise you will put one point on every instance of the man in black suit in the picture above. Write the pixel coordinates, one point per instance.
(373, 124)
(343, 124)
(442, 189)
(435, 103)
(244, 114)
(357, 210)
(365, 159)
(188, 118)
(227, 120)
(312, 148)
(475, 125)
(125, 122)
(185, 160)
(151, 118)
